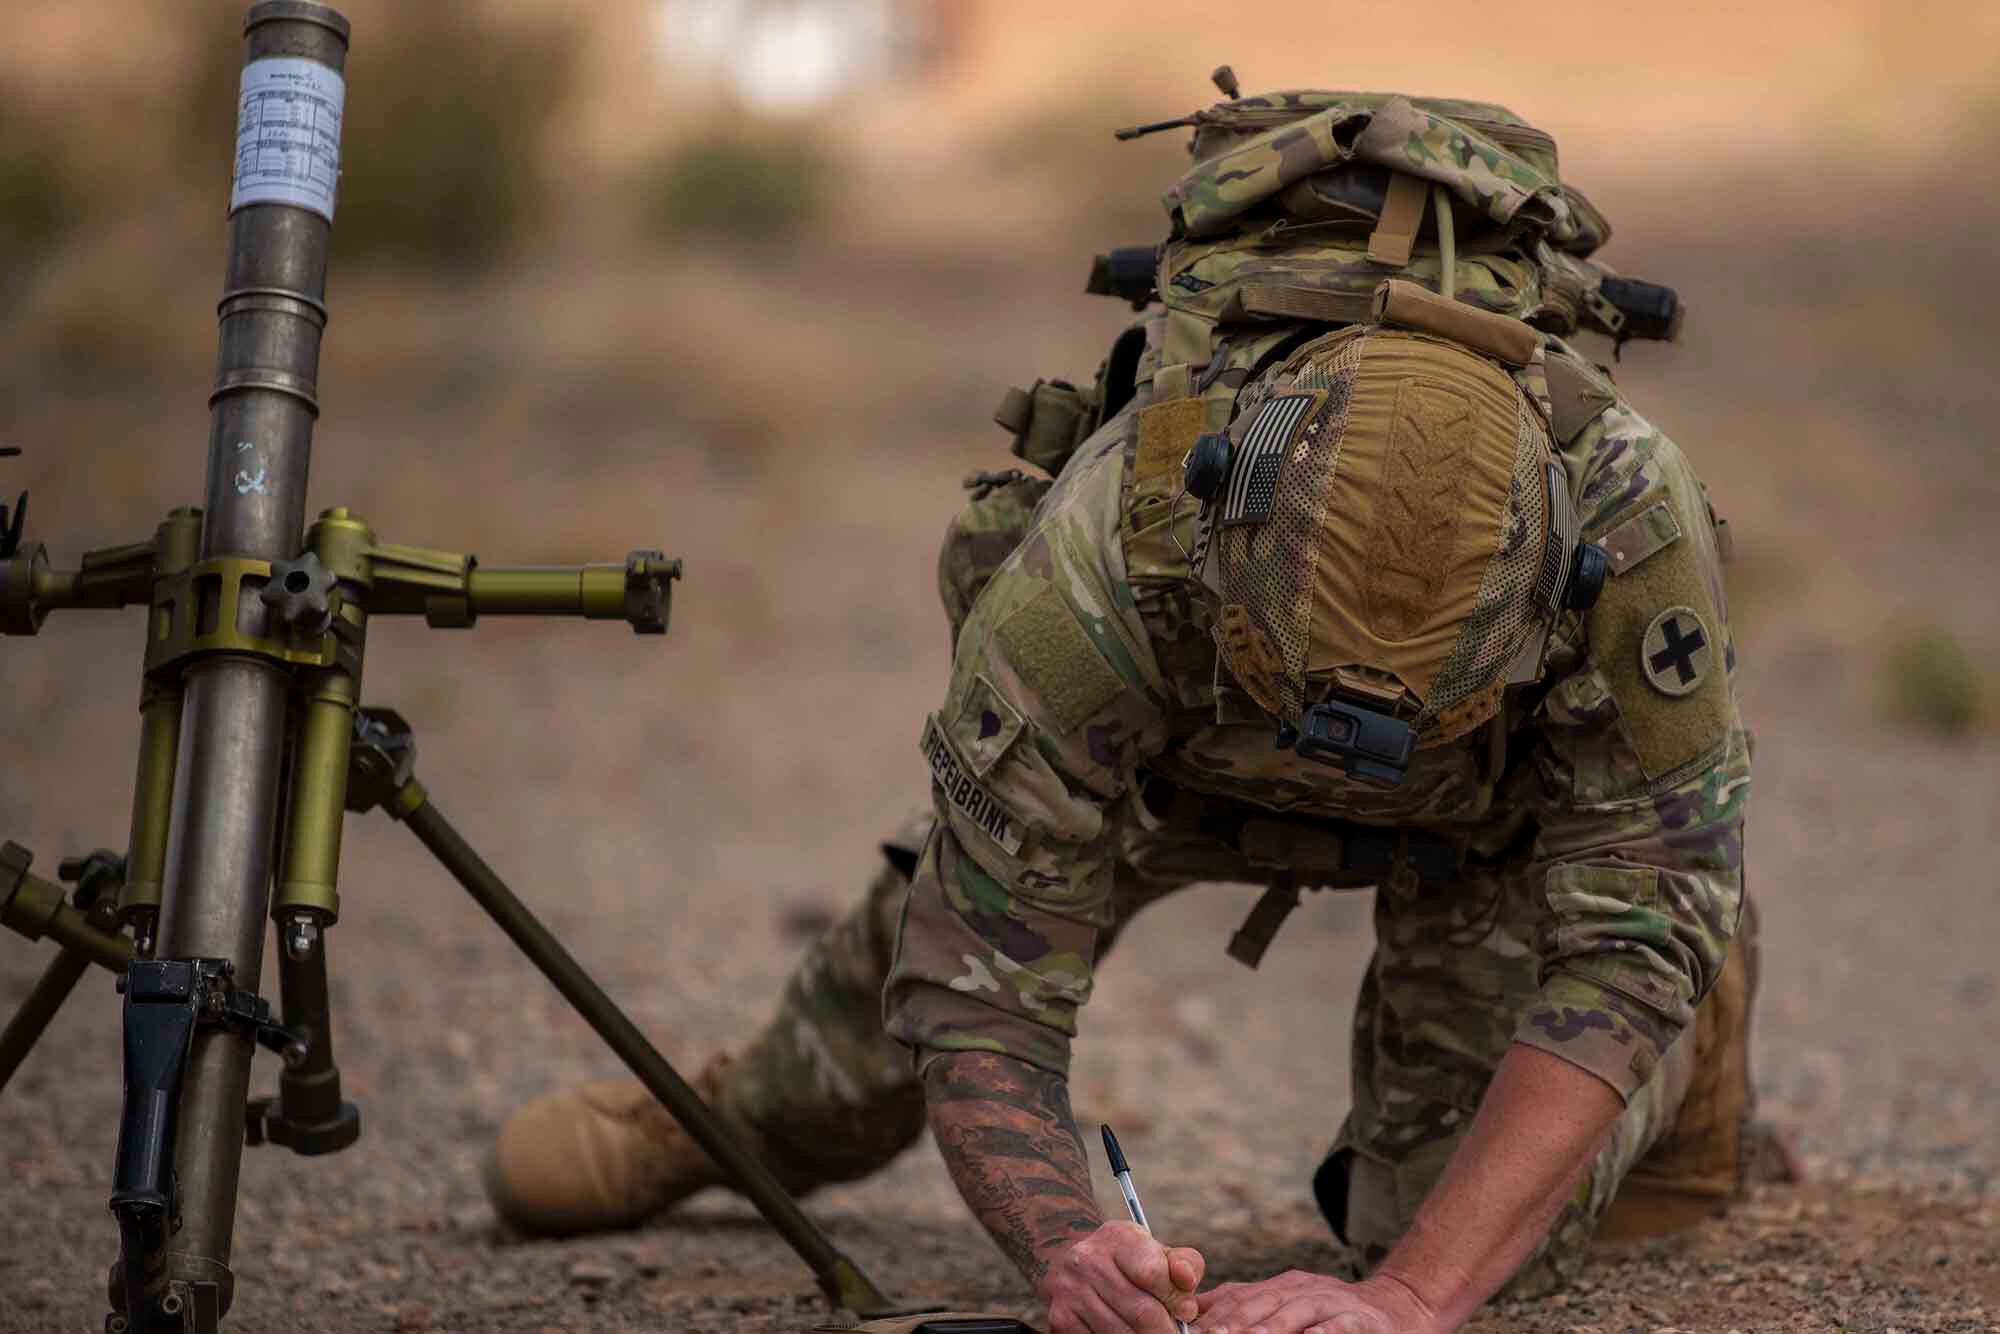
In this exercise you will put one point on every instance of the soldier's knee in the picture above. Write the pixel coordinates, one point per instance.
(1357, 1198)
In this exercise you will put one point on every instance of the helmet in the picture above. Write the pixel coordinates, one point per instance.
(1391, 542)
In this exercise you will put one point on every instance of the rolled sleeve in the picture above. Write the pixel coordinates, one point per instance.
(1641, 791)
(978, 970)
(1616, 991)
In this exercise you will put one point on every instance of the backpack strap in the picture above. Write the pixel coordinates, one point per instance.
(1409, 305)
(1395, 235)
(1318, 304)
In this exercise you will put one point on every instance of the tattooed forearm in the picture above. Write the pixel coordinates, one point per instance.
(1011, 1145)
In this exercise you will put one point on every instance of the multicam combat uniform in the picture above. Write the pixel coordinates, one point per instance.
(1568, 876)
(1561, 865)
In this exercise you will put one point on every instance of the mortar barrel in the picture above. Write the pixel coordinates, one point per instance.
(225, 796)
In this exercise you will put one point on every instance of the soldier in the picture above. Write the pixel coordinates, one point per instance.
(1353, 584)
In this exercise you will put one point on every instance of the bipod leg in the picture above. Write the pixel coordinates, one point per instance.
(87, 928)
(38, 1010)
(382, 759)
(839, 1277)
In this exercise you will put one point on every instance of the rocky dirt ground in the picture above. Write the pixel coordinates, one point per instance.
(685, 811)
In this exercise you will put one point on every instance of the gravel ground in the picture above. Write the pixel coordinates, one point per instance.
(679, 810)
(1873, 1050)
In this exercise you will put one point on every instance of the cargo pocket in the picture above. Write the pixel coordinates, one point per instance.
(1599, 914)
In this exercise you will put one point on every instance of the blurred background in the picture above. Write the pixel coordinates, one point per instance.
(743, 279)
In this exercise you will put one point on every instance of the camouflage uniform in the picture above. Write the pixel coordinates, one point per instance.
(1560, 866)
(1091, 755)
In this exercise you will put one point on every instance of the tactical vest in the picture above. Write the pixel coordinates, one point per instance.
(1305, 212)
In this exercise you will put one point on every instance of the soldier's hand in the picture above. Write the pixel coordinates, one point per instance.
(1296, 1302)
(1118, 1280)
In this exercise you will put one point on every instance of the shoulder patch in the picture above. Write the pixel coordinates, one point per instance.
(1055, 657)
(1655, 636)
(1677, 652)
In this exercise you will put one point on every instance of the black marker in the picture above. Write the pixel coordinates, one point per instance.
(1121, 1171)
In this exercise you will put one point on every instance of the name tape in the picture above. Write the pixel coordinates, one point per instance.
(974, 802)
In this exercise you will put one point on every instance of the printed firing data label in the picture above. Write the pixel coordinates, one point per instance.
(288, 135)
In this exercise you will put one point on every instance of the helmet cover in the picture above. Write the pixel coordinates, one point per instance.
(1395, 519)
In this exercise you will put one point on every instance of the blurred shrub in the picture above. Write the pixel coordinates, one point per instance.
(35, 194)
(1935, 685)
(447, 108)
(742, 181)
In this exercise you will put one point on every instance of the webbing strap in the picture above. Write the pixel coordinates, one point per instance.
(1395, 235)
(1315, 848)
(1305, 303)
(1411, 305)
(1358, 851)
(1260, 928)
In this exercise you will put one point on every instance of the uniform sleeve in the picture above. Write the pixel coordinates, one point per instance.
(1643, 770)
(1055, 697)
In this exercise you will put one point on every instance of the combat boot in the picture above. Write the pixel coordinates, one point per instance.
(606, 1155)
(1704, 1161)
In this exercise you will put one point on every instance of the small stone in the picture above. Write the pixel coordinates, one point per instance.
(414, 1317)
(589, 1273)
(472, 1218)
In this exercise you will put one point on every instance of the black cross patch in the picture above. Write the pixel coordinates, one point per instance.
(1676, 652)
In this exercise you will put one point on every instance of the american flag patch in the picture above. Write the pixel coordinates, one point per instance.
(1253, 480)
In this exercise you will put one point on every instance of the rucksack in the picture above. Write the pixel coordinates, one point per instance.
(1300, 203)
(1298, 206)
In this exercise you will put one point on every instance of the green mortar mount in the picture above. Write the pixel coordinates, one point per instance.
(253, 747)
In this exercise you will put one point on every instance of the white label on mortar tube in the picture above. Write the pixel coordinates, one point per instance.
(288, 135)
